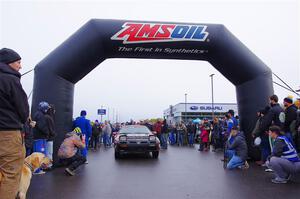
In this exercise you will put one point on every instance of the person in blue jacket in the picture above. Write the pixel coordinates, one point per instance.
(284, 160)
(234, 119)
(229, 125)
(86, 129)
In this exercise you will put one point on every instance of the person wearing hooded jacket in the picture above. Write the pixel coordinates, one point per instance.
(51, 125)
(14, 112)
(41, 132)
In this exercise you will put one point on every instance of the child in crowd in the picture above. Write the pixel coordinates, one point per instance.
(204, 136)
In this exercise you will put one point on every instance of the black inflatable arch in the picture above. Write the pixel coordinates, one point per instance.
(97, 40)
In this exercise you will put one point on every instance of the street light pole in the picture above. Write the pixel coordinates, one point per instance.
(113, 118)
(101, 116)
(107, 113)
(185, 101)
(212, 96)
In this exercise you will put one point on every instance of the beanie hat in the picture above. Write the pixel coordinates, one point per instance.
(83, 113)
(8, 56)
(44, 106)
(288, 99)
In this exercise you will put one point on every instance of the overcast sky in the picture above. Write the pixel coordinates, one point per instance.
(144, 88)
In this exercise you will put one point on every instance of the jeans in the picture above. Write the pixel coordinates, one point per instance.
(234, 160)
(49, 150)
(191, 138)
(164, 138)
(106, 140)
(180, 138)
(159, 136)
(172, 138)
(265, 148)
(95, 141)
(28, 151)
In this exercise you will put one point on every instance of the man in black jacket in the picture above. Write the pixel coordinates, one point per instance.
(289, 126)
(41, 132)
(51, 125)
(14, 112)
(272, 118)
(261, 132)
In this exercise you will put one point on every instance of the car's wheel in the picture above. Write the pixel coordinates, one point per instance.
(155, 154)
(117, 155)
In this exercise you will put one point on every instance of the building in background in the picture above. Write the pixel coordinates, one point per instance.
(177, 112)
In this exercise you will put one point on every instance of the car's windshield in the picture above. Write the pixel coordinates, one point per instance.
(135, 130)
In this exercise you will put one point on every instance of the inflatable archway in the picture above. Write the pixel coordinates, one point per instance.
(97, 40)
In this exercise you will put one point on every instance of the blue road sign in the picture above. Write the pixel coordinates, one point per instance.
(101, 111)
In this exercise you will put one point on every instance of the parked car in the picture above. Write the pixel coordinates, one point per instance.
(136, 139)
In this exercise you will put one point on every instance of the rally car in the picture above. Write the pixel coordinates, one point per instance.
(136, 139)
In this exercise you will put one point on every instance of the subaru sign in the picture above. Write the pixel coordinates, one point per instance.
(206, 108)
(194, 108)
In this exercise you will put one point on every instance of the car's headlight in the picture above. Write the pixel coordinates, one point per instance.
(123, 138)
(152, 138)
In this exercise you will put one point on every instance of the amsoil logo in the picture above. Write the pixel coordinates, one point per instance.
(154, 32)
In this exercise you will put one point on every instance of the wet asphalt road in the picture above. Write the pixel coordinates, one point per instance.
(180, 172)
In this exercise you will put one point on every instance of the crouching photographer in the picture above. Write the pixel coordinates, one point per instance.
(69, 152)
(237, 150)
(284, 160)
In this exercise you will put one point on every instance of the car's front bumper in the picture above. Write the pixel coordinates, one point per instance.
(126, 147)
